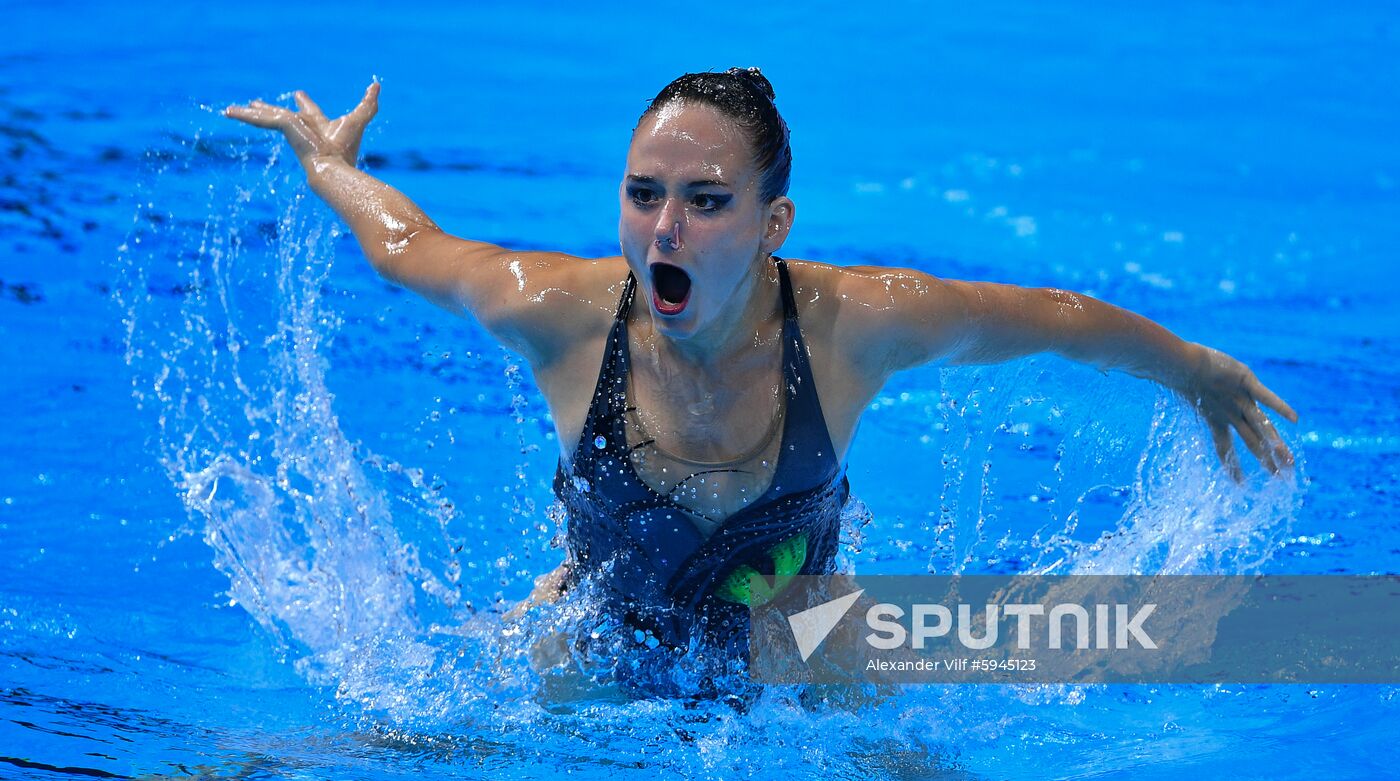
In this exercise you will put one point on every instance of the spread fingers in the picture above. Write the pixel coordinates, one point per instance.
(1269, 399)
(1269, 436)
(1225, 450)
(308, 106)
(257, 116)
(1255, 443)
(369, 105)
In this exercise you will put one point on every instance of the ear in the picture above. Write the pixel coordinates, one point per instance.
(781, 213)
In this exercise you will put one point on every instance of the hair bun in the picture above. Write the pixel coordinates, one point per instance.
(755, 77)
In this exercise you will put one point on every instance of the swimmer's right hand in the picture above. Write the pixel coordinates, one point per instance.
(310, 133)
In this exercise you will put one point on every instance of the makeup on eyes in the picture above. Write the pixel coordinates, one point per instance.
(646, 191)
(647, 196)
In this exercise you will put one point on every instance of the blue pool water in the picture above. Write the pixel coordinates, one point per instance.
(259, 511)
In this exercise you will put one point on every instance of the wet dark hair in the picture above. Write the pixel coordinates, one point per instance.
(745, 96)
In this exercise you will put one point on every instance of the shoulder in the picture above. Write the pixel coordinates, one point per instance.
(862, 287)
(570, 280)
(885, 317)
(559, 301)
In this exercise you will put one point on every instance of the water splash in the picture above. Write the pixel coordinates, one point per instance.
(227, 326)
(1041, 472)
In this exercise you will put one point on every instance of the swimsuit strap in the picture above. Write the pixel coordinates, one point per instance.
(624, 303)
(789, 300)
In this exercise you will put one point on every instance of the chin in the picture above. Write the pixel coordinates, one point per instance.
(682, 327)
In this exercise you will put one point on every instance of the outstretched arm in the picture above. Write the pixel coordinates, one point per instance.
(504, 290)
(915, 318)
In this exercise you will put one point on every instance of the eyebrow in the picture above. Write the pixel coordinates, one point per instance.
(638, 178)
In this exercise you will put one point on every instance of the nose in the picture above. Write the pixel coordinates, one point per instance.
(668, 228)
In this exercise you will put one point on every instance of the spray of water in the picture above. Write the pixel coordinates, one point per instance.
(227, 327)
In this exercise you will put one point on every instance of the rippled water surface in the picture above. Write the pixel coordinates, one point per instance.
(260, 512)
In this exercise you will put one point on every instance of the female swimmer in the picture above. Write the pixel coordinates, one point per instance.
(711, 444)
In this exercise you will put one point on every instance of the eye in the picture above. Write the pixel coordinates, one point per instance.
(642, 196)
(710, 203)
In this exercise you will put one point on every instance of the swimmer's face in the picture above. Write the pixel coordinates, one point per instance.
(693, 224)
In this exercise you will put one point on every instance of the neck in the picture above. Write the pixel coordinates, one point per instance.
(736, 329)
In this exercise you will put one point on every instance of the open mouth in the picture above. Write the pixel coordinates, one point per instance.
(670, 288)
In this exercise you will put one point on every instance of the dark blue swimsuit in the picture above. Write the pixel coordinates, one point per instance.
(656, 571)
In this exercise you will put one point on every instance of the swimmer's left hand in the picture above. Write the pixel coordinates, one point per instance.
(548, 588)
(1228, 395)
